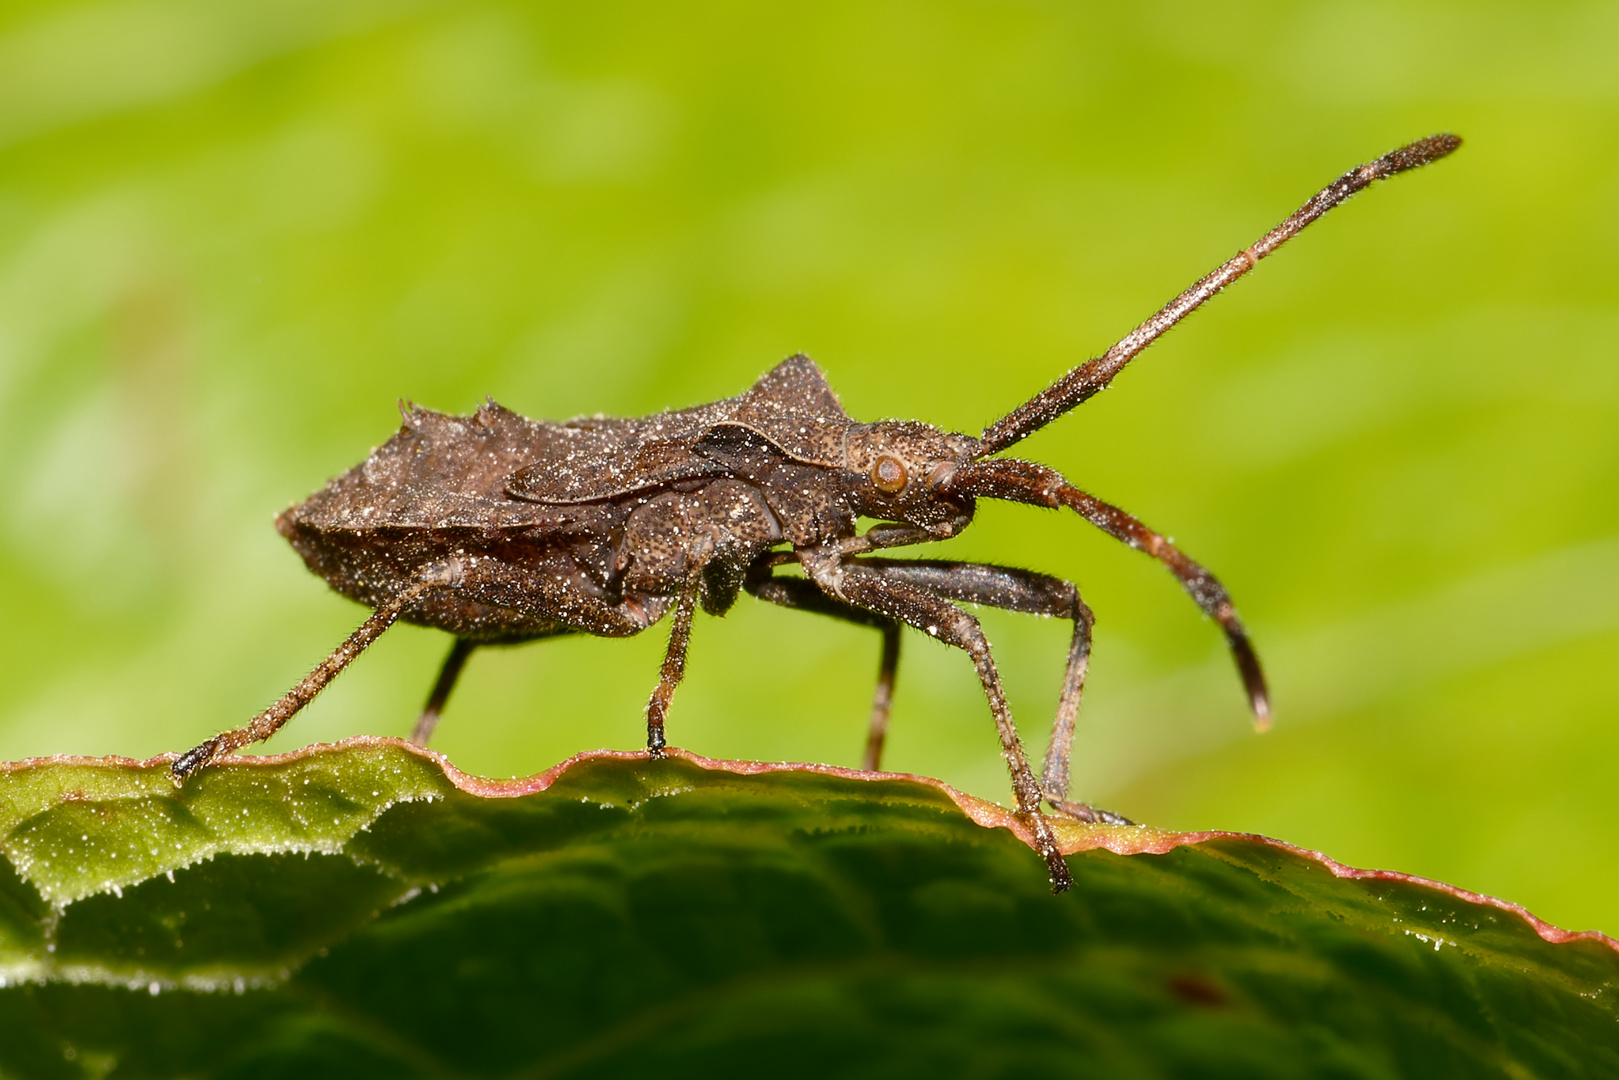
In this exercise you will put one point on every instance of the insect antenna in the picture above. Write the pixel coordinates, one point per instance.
(1093, 375)
(1038, 485)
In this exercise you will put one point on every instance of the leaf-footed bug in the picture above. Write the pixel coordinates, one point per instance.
(501, 529)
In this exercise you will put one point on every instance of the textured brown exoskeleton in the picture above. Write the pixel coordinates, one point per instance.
(500, 529)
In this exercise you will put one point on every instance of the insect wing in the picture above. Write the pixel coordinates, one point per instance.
(791, 410)
(587, 464)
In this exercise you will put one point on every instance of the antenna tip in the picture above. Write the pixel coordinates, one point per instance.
(1417, 154)
(1259, 702)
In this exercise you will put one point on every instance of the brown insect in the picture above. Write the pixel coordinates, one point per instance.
(501, 529)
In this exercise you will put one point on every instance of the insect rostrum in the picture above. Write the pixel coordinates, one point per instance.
(501, 529)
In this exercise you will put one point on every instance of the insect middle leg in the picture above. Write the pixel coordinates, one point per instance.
(802, 595)
(450, 673)
(440, 694)
(674, 664)
(878, 588)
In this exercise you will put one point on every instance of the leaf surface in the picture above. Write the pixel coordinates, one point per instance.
(366, 910)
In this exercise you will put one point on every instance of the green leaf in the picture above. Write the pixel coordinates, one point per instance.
(366, 910)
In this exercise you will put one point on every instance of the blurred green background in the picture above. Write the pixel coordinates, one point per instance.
(231, 236)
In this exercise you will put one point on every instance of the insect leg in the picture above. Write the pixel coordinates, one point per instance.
(674, 664)
(882, 700)
(876, 589)
(447, 676)
(1031, 593)
(806, 596)
(269, 721)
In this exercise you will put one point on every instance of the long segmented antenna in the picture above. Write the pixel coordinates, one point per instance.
(1040, 485)
(1093, 375)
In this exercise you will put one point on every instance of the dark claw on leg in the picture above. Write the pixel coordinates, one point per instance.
(192, 760)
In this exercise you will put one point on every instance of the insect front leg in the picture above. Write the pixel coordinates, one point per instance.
(876, 589)
(802, 595)
(1031, 593)
(270, 721)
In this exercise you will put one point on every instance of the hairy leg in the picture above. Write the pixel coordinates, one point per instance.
(878, 588)
(270, 721)
(674, 664)
(1032, 593)
(882, 700)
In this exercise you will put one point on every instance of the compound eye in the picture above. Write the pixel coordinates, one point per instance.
(888, 475)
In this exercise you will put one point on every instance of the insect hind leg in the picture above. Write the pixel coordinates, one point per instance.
(440, 694)
(271, 720)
